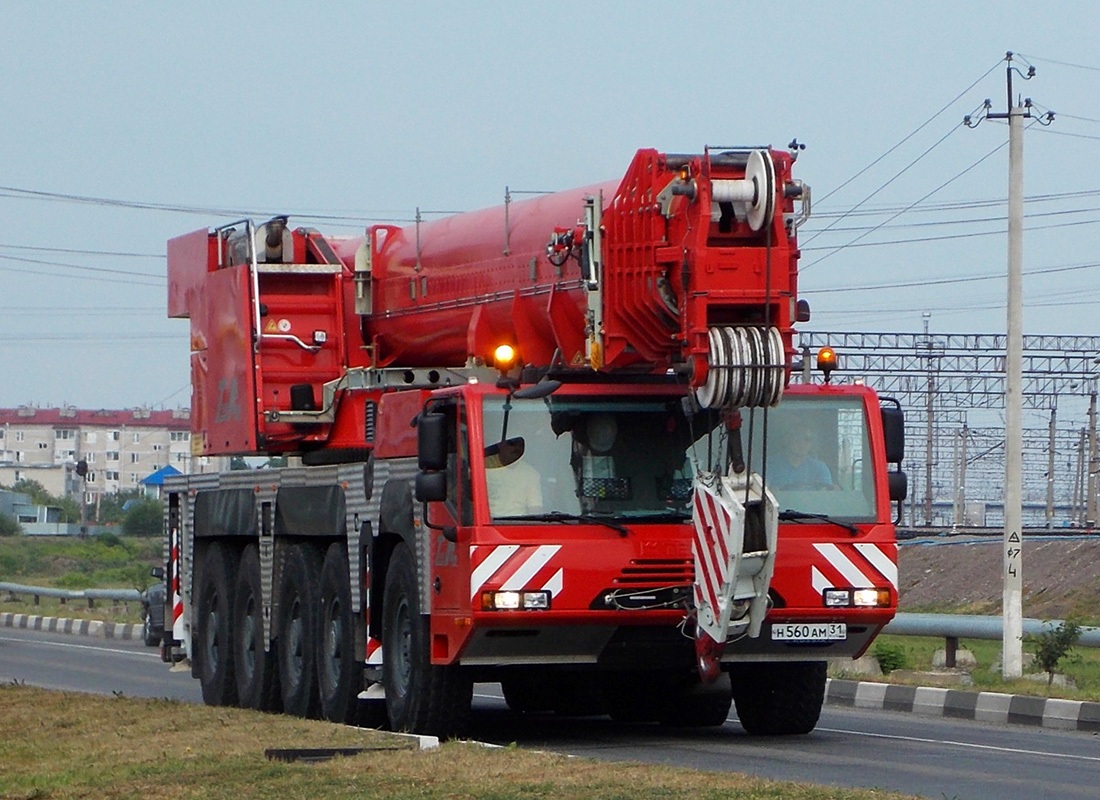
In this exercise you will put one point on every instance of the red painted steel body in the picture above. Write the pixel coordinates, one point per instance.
(447, 291)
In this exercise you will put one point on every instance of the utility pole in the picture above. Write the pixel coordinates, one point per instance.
(928, 430)
(1012, 598)
(960, 491)
(1078, 481)
(1090, 480)
(1050, 468)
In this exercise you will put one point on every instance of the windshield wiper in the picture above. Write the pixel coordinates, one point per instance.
(562, 516)
(790, 515)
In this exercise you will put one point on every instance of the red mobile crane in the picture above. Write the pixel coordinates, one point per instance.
(528, 444)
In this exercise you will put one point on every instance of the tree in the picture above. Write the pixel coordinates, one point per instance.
(1053, 644)
(35, 491)
(144, 518)
(112, 507)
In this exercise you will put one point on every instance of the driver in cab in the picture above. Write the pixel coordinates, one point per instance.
(796, 467)
(514, 485)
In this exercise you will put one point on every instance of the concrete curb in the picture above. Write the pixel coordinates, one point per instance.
(1009, 709)
(78, 627)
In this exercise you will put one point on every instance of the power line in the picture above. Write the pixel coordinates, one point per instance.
(911, 135)
(899, 213)
(940, 223)
(891, 180)
(85, 338)
(18, 193)
(72, 251)
(957, 279)
(100, 272)
(1060, 63)
(947, 237)
(956, 205)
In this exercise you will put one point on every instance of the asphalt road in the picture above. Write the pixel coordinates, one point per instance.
(935, 758)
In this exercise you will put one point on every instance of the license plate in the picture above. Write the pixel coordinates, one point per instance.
(810, 632)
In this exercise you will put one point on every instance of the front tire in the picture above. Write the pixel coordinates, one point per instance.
(257, 671)
(694, 704)
(215, 639)
(148, 634)
(299, 600)
(339, 671)
(779, 698)
(420, 698)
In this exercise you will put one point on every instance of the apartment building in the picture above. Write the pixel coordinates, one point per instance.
(121, 448)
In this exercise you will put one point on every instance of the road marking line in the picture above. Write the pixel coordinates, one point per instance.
(971, 745)
(81, 647)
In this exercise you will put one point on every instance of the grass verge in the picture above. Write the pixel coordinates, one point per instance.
(63, 745)
(65, 562)
(1082, 665)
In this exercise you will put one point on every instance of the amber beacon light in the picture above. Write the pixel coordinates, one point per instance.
(826, 361)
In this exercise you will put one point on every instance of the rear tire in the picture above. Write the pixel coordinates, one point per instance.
(214, 643)
(339, 670)
(779, 698)
(420, 698)
(299, 601)
(257, 670)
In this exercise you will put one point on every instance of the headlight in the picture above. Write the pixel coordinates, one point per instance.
(515, 601)
(870, 598)
(858, 598)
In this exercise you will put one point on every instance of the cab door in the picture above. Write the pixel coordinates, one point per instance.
(450, 522)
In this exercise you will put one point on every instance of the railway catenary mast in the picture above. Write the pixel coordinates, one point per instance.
(526, 458)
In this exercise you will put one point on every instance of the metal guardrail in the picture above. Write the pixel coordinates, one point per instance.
(65, 595)
(953, 627)
(973, 626)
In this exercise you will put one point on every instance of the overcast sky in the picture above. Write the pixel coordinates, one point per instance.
(154, 119)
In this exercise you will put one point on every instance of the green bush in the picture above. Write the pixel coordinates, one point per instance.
(109, 539)
(9, 526)
(890, 657)
(1052, 645)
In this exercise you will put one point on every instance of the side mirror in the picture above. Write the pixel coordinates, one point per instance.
(899, 485)
(893, 430)
(157, 572)
(431, 441)
(431, 486)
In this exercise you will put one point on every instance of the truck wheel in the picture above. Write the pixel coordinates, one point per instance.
(698, 705)
(339, 669)
(528, 693)
(214, 643)
(299, 600)
(631, 696)
(780, 698)
(257, 672)
(149, 634)
(420, 698)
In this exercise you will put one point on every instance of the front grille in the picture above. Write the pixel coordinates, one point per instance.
(656, 572)
(648, 583)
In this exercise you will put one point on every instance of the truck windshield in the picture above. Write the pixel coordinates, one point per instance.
(819, 457)
(566, 457)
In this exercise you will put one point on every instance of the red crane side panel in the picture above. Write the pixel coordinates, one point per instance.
(222, 375)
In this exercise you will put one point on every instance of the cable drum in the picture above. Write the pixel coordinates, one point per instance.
(746, 368)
